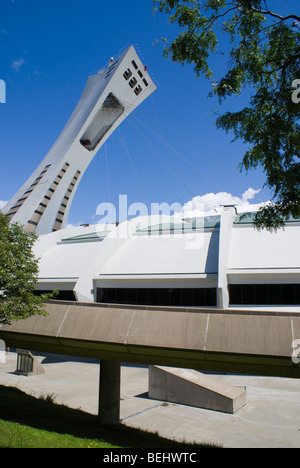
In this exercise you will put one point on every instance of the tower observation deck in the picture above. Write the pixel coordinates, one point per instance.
(43, 203)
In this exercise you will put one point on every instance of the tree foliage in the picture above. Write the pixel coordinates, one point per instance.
(264, 53)
(18, 274)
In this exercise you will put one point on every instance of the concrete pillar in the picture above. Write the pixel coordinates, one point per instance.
(109, 392)
(227, 218)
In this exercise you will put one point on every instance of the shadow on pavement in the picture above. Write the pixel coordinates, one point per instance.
(24, 409)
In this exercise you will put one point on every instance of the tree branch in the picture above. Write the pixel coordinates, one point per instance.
(276, 15)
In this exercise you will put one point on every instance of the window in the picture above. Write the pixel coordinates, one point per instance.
(134, 64)
(127, 74)
(264, 294)
(132, 82)
(190, 297)
(138, 90)
(33, 223)
(140, 73)
(62, 295)
(145, 82)
(110, 111)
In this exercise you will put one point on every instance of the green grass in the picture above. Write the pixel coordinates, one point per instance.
(28, 422)
(14, 435)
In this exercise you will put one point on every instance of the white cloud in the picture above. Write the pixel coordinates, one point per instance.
(249, 194)
(211, 203)
(17, 64)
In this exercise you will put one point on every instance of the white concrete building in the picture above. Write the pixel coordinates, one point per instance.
(223, 263)
(216, 262)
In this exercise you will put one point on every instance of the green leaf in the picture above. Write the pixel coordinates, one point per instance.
(18, 274)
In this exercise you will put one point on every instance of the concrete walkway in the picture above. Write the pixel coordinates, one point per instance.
(271, 418)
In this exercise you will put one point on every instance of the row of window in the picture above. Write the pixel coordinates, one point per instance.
(33, 222)
(22, 200)
(264, 294)
(240, 294)
(184, 297)
(62, 209)
(111, 68)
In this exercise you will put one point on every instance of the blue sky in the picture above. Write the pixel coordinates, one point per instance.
(168, 150)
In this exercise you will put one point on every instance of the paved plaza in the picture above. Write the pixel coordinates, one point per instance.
(271, 418)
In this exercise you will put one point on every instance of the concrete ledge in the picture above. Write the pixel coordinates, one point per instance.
(191, 388)
(196, 339)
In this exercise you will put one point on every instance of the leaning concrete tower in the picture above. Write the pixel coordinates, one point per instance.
(43, 203)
